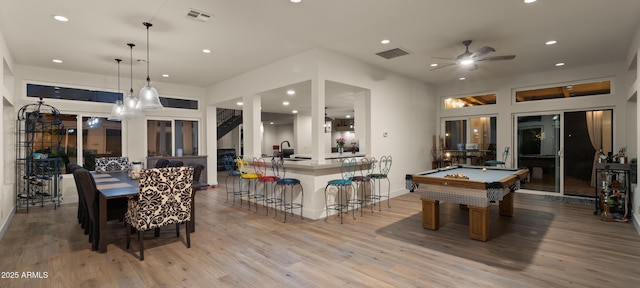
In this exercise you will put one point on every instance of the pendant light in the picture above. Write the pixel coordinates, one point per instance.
(116, 110)
(130, 109)
(149, 98)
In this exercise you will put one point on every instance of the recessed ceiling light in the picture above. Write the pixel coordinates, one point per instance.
(529, 1)
(560, 64)
(285, 103)
(434, 65)
(61, 18)
(462, 78)
(271, 123)
(206, 51)
(294, 111)
(165, 75)
(348, 116)
(239, 103)
(550, 42)
(291, 92)
(385, 41)
(295, 1)
(56, 61)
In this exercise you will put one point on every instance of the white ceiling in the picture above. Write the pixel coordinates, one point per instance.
(244, 35)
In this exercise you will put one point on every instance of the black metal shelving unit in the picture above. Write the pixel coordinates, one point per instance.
(39, 132)
(617, 197)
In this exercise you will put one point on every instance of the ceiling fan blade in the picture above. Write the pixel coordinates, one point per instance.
(497, 58)
(443, 58)
(482, 51)
(438, 67)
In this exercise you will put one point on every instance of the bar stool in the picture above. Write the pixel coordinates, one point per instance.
(245, 175)
(230, 166)
(385, 166)
(290, 183)
(340, 203)
(366, 168)
(260, 167)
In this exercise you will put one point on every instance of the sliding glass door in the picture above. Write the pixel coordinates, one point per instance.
(538, 148)
(560, 149)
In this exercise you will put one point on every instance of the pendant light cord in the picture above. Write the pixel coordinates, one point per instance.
(131, 45)
(147, 24)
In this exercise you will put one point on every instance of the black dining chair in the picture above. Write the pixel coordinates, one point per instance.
(162, 163)
(116, 208)
(175, 163)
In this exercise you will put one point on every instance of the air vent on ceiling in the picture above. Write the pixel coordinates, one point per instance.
(198, 16)
(393, 53)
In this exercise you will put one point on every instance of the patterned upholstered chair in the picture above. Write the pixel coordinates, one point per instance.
(110, 164)
(164, 198)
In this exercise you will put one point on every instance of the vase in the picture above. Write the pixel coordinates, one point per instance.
(340, 150)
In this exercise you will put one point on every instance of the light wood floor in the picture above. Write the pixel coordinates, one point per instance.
(546, 244)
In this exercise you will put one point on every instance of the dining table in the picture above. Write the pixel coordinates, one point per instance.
(118, 184)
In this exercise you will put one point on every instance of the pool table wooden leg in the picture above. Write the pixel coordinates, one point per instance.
(430, 214)
(478, 223)
(506, 205)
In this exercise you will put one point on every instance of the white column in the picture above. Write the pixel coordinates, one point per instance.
(251, 126)
(317, 119)
(211, 144)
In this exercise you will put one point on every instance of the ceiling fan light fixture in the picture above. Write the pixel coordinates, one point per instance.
(149, 98)
(466, 61)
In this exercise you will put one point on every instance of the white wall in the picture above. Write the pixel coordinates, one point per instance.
(401, 106)
(7, 158)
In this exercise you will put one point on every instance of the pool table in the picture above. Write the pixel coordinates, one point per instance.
(474, 188)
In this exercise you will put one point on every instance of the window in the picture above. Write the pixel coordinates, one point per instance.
(565, 91)
(480, 132)
(57, 92)
(100, 138)
(468, 101)
(164, 134)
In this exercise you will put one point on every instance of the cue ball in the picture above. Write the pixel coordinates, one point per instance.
(484, 169)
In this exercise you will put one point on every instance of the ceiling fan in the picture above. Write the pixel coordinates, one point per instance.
(468, 59)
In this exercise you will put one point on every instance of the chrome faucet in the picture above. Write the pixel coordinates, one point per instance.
(282, 148)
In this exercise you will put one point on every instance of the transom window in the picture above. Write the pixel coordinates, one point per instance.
(468, 101)
(565, 91)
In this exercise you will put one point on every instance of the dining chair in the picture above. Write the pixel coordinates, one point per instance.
(175, 163)
(290, 183)
(384, 165)
(116, 207)
(82, 209)
(341, 200)
(164, 198)
(162, 163)
(197, 170)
